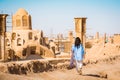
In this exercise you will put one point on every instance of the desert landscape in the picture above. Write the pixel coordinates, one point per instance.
(102, 64)
(37, 38)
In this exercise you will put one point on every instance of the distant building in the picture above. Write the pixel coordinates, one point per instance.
(116, 39)
(64, 44)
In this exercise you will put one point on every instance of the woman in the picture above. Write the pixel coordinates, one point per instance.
(77, 55)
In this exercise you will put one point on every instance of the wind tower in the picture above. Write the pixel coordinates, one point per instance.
(2, 35)
(80, 29)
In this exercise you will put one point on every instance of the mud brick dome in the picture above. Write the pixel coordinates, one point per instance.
(21, 20)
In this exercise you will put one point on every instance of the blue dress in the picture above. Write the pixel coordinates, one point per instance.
(78, 52)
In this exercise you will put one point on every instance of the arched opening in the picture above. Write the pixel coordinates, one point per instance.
(24, 52)
(23, 41)
(33, 49)
(18, 42)
(7, 42)
(30, 21)
(35, 38)
(24, 20)
(30, 35)
(18, 22)
(13, 36)
(41, 33)
(41, 41)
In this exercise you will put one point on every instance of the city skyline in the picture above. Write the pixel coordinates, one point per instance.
(57, 16)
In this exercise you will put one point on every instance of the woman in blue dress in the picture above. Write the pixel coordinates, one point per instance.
(77, 55)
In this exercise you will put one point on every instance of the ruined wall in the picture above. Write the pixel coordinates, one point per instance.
(19, 40)
(67, 47)
(34, 66)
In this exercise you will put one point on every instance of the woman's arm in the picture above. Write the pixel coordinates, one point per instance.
(83, 52)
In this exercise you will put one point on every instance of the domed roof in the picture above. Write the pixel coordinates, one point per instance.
(21, 11)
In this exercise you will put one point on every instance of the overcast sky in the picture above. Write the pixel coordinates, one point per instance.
(57, 16)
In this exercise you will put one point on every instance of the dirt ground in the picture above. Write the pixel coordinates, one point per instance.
(103, 70)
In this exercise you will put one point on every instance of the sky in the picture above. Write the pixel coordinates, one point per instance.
(57, 16)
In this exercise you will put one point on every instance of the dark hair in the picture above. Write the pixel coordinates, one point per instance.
(77, 42)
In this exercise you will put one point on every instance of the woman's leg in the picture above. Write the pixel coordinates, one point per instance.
(79, 65)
